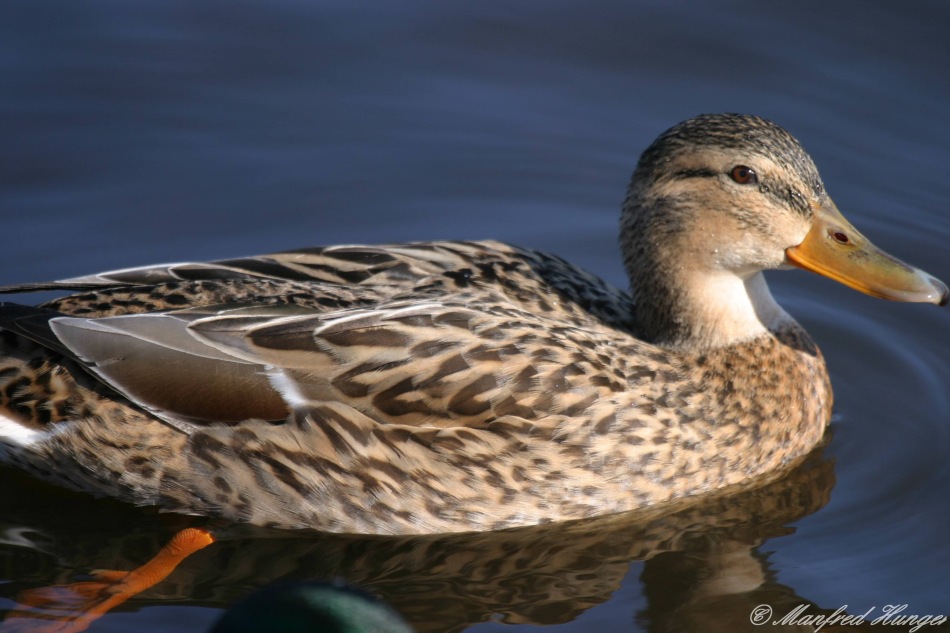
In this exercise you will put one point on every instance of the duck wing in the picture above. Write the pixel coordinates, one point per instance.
(153, 360)
(434, 364)
(459, 361)
(345, 265)
(435, 334)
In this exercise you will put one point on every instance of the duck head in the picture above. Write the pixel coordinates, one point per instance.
(716, 200)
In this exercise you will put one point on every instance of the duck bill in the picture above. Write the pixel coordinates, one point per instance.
(836, 249)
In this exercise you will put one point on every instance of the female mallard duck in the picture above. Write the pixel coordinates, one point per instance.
(454, 386)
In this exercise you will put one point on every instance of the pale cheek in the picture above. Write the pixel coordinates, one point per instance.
(749, 255)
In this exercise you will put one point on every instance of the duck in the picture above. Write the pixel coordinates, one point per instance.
(454, 386)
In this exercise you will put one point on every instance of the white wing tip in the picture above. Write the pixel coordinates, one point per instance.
(14, 432)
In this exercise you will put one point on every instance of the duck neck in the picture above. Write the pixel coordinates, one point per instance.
(709, 312)
(683, 301)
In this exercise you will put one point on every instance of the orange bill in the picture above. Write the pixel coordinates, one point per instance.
(836, 249)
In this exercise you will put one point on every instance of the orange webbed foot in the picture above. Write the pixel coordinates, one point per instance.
(72, 608)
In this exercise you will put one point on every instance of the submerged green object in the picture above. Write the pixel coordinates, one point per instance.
(310, 607)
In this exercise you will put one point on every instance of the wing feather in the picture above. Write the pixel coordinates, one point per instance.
(153, 360)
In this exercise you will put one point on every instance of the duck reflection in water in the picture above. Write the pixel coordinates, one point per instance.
(701, 566)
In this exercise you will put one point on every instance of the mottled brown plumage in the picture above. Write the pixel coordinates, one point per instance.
(451, 386)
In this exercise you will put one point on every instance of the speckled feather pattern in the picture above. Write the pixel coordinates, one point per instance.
(413, 388)
(508, 405)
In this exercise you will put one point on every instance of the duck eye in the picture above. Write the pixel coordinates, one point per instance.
(744, 175)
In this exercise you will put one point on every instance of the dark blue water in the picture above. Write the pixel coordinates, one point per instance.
(134, 133)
